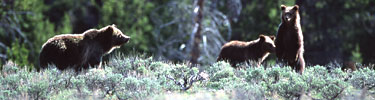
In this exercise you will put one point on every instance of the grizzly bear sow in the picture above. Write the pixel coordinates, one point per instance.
(79, 51)
(238, 51)
(289, 38)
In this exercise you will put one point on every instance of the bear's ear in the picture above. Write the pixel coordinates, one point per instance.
(296, 7)
(272, 37)
(283, 7)
(262, 38)
(113, 25)
(109, 29)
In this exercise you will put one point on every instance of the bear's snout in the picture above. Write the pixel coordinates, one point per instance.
(126, 39)
(120, 40)
(288, 16)
(273, 49)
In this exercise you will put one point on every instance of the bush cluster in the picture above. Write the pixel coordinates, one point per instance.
(141, 77)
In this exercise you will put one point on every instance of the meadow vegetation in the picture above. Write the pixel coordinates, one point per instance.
(142, 77)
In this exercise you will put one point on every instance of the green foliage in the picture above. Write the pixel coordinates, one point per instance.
(19, 54)
(137, 88)
(253, 15)
(363, 78)
(28, 30)
(222, 76)
(131, 17)
(356, 55)
(337, 31)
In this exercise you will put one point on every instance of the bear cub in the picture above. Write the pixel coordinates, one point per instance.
(79, 51)
(289, 38)
(238, 51)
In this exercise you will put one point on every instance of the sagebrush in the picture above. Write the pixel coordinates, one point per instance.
(141, 77)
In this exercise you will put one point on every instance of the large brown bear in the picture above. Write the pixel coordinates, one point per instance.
(238, 51)
(79, 51)
(289, 38)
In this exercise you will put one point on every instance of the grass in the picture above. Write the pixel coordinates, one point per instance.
(140, 77)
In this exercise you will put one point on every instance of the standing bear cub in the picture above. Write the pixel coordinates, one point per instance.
(238, 51)
(79, 51)
(289, 38)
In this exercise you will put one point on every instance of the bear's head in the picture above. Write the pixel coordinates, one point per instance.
(267, 43)
(110, 37)
(289, 14)
(117, 37)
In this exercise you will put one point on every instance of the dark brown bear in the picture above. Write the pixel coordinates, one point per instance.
(289, 39)
(349, 66)
(238, 51)
(79, 51)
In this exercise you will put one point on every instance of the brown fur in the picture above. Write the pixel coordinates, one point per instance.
(349, 66)
(239, 51)
(289, 39)
(81, 50)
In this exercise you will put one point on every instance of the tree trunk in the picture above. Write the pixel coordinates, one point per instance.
(197, 37)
